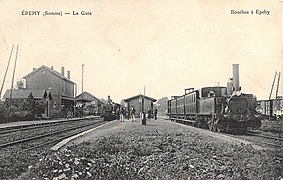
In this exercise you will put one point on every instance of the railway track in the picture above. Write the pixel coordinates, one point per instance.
(265, 136)
(276, 141)
(25, 132)
(40, 125)
(47, 138)
(42, 135)
(249, 136)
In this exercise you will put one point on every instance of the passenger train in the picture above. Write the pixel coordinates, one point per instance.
(217, 108)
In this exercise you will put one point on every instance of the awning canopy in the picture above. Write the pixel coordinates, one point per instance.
(68, 98)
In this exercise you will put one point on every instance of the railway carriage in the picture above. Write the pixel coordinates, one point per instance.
(180, 107)
(191, 104)
(272, 109)
(173, 107)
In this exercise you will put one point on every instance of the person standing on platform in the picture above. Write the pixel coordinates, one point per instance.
(149, 113)
(155, 113)
(122, 114)
(133, 112)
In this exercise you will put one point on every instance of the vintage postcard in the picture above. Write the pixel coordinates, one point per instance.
(147, 73)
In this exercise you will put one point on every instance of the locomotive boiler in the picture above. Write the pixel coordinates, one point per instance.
(217, 108)
(111, 110)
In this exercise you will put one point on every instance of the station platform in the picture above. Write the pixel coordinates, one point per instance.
(132, 128)
(35, 122)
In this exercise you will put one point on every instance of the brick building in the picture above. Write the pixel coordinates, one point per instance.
(136, 102)
(56, 90)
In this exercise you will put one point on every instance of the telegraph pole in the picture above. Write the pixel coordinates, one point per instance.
(82, 77)
(6, 71)
(272, 85)
(278, 80)
(13, 76)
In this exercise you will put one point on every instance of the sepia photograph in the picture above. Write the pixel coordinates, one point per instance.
(131, 89)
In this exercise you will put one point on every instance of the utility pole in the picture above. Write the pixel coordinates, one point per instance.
(278, 80)
(143, 113)
(13, 75)
(6, 71)
(83, 77)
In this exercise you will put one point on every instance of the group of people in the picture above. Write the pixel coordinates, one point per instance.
(152, 113)
(123, 113)
(132, 113)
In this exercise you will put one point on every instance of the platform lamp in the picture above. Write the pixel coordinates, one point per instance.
(48, 101)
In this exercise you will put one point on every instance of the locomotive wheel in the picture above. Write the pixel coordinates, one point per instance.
(210, 126)
(216, 127)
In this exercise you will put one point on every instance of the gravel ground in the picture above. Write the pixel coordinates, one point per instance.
(159, 150)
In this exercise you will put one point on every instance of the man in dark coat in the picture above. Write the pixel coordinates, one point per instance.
(155, 113)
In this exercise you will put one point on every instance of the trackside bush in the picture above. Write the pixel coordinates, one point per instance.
(21, 110)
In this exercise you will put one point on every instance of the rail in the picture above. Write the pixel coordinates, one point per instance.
(5, 145)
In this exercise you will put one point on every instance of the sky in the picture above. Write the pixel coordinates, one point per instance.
(164, 46)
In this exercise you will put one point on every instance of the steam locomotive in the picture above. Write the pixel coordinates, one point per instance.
(217, 108)
(111, 110)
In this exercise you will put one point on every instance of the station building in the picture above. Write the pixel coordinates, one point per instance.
(55, 90)
(137, 103)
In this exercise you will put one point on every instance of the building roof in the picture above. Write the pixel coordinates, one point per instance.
(24, 93)
(87, 97)
(138, 96)
(50, 70)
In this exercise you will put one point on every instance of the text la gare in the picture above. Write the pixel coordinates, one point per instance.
(82, 13)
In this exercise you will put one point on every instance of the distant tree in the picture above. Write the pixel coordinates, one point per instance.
(123, 103)
(20, 84)
(162, 104)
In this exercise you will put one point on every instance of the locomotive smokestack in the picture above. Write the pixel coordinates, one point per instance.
(230, 86)
(109, 99)
(236, 81)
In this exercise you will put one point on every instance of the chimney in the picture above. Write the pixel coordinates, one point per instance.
(236, 83)
(62, 71)
(52, 67)
(68, 75)
(33, 69)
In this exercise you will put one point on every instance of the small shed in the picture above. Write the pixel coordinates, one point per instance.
(90, 103)
(137, 103)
